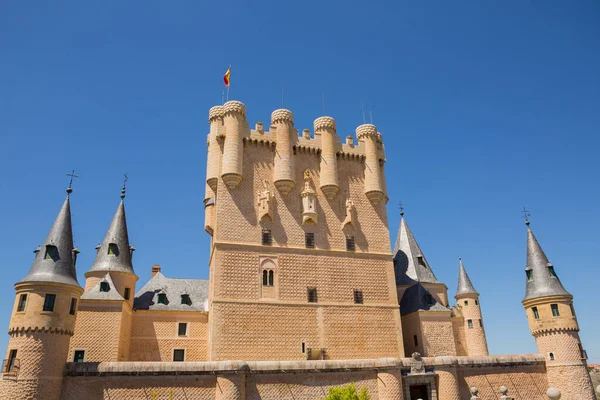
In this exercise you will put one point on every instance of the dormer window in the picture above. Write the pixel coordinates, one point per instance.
(51, 253)
(421, 260)
(113, 249)
(162, 298)
(104, 286)
(429, 299)
(551, 271)
(185, 299)
(529, 275)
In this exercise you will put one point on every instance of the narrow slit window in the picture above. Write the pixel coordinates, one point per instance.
(265, 278)
(182, 329)
(271, 277)
(312, 294)
(536, 314)
(555, 312)
(73, 307)
(529, 274)
(104, 287)
(582, 352)
(51, 253)
(481, 323)
(476, 302)
(49, 302)
(303, 347)
(127, 293)
(551, 271)
(113, 249)
(350, 245)
(267, 238)
(309, 240)
(79, 356)
(22, 303)
(572, 310)
(12, 359)
(178, 355)
(358, 296)
(415, 340)
(470, 323)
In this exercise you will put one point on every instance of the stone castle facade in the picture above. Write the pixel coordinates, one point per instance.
(302, 286)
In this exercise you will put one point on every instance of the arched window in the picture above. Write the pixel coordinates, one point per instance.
(268, 268)
(271, 274)
(551, 356)
(265, 277)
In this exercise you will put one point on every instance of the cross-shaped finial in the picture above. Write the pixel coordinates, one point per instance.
(124, 185)
(401, 207)
(72, 175)
(526, 215)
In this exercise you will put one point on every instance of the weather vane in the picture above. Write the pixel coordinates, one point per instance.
(526, 215)
(124, 185)
(72, 175)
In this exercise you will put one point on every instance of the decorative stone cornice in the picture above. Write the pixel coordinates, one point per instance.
(549, 331)
(19, 330)
(216, 112)
(234, 107)
(365, 130)
(324, 123)
(282, 116)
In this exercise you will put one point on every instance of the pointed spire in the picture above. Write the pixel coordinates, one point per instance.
(465, 286)
(410, 265)
(54, 259)
(541, 278)
(114, 254)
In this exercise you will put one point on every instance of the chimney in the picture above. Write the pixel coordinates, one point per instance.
(155, 269)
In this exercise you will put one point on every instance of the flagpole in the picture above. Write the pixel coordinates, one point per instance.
(229, 82)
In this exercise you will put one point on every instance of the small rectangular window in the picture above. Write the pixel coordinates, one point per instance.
(303, 347)
(476, 302)
(358, 296)
(185, 299)
(551, 271)
(429, 299)
(309, 240)
(178, 355)
(466, 303)
(312, 294)
(415, 340)
(470, 322)
(350, 245)
(555, 312)
(572, 309)
(73, 307)
(267, 238)
(127, 293)
(536, 314)
(104, 287)
(582, 352)
(182, 329)
(49, 302)
(481, 323)
(113, 249)
(529, 274)
(79, 356)
(162, 298)
(22, 303)
(12, 359)
(51, 253)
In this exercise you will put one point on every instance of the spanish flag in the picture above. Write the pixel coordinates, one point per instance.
(226, 76)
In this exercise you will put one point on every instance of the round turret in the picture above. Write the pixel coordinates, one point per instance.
(234, 120)
(283, 122)
(325, 126)
(374, 185)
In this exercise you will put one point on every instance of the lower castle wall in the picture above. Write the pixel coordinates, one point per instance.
(525, 376)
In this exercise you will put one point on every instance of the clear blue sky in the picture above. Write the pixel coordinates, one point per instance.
(484, 107)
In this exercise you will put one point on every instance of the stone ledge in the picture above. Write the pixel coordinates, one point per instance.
(298, 366)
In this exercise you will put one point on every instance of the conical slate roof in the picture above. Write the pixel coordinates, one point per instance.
(410, 265)
(54, 260)
(114, 254)
(465, 286)
(541, 278)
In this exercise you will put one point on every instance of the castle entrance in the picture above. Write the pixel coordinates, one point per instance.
(419, 392)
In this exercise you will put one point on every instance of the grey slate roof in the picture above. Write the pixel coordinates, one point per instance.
(95, 293)
(410, 265)
(60, 268)
(117, 234)
(414, 300)
(542, 284)
(465, 286)
(147, 297)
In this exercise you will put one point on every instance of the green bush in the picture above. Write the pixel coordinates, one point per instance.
(347, 393)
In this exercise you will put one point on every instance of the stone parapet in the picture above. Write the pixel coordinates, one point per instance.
(216, 112)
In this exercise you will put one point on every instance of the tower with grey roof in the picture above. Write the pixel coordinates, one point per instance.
(107, 302)
(423, 299)
(553, 324)
(43, 317)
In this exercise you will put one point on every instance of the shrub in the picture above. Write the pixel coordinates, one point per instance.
(347, 393)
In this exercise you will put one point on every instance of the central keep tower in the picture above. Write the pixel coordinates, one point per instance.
(300, 264)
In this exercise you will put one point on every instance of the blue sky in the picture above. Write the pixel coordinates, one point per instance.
(484, 106)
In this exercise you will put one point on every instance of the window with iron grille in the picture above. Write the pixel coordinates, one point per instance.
(358, 296)
(309, 240)
(267, 238)
(350, 246)
(178, 355)
(312, 294)
(22, 303)
(49, 302)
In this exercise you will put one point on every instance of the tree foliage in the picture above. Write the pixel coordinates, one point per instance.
(347, 393)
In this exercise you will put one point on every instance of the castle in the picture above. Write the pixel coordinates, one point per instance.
(302, 287)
